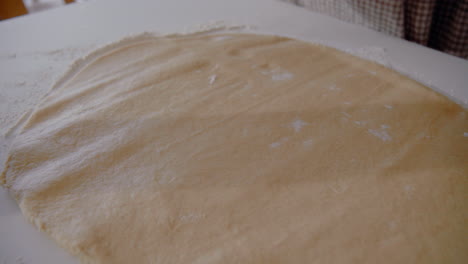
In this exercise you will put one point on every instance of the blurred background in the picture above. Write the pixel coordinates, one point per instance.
(14, 8)
(438, 24)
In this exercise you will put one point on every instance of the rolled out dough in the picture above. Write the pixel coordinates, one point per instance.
(241, 148)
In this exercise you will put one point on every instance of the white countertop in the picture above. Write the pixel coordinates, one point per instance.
(36, 49)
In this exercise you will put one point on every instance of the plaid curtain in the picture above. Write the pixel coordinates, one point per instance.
(439, 24)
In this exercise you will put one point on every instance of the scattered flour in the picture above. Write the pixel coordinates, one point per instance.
(221, 38)
(279, 143)
(298, 124)
(192, 217)
(277, 74)
(275, 144)
(360, 123)
(346, 114)
(213, 78)
(465, 134)
(381, 133)
(282, 76)
(388, 106)
(333, 87)
(167, 177)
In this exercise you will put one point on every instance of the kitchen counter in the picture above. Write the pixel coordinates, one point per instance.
(36, 49)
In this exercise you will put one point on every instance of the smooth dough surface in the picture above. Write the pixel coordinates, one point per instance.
(239, 148)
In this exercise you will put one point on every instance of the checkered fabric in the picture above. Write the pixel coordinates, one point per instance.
(449, 31)
(440, 24)
(418, 20)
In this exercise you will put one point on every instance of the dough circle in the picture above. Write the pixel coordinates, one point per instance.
(240, 148)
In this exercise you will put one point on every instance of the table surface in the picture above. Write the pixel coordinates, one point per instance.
(36, 49)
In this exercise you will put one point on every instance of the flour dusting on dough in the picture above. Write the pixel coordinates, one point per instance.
(213, 78)
(191, 217)
(221, 38)
(298, 124)
(282, 76)
(275, 144)
(381, 133)
(192, 134)
(333, 87)
(277, 74)
(346, 114)
(360, 123)
(279, 143)
(167, 177)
